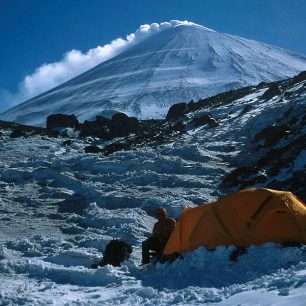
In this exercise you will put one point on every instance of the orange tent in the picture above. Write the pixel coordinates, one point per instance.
(251, 216)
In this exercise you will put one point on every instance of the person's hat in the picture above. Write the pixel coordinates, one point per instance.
(161, 211)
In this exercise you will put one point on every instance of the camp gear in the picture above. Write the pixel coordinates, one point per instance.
(115, 253)
(252, 216)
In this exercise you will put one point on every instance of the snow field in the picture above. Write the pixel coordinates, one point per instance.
(60, 207)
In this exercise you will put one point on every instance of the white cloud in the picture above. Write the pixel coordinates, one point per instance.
(75, 62)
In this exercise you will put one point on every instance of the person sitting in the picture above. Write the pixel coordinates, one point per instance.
(161, 232)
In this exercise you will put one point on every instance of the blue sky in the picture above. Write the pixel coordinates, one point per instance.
(37, 32)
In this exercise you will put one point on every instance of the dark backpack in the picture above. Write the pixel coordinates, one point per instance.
(116, 252)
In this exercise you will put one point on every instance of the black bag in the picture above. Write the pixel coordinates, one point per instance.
(115, 253)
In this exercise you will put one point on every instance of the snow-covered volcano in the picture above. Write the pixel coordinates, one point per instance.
(179, 63)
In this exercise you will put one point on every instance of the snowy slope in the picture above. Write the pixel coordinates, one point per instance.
(178, 63)
(59, 208)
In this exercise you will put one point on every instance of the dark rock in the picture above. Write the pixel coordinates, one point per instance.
(179, 126)
(287, 113)
(204, 119)
(18, 133)
(192, 105)
(277, 167)
(116, 146)
(99, 128)
(224, 98)
(76, 203)
(235, 177)
(289, 94)
(72, 230)
(27, 130)
(299, 78)
(246, 109)
(293, 120)
(103, 120)
(271, 134)
(92, 149)
(262, 84)
(62, 121)
(123, 125)
(67, 142)
(264, 161)
(176, 110)
(295, 184)
(244, 177)
(271, 92)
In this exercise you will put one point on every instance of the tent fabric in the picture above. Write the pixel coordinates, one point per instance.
(251, 216)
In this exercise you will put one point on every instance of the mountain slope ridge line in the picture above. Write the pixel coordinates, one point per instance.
(180, 63)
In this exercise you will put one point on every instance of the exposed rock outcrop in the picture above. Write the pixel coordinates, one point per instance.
(123, 125)
(119, 126)
(98, 128)
(204, 119)
(271, 92)
(299, 78)
(62, 121)
(176, 110)
(92, 149)
(271, 134)
(18, 133)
